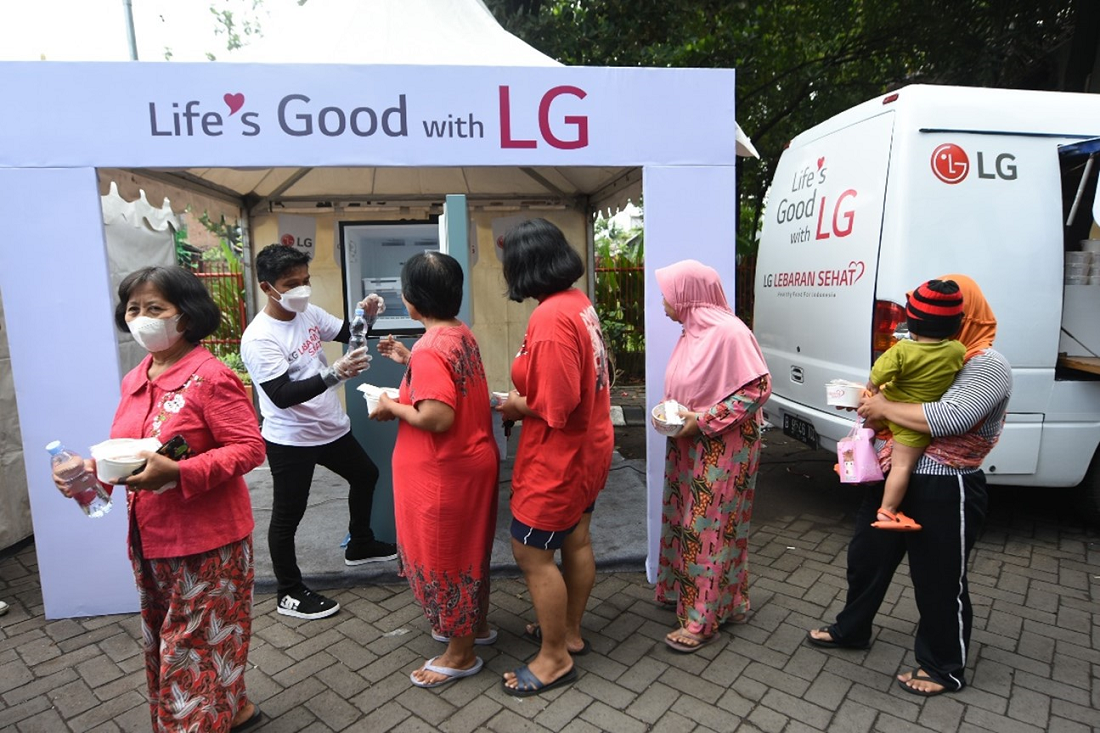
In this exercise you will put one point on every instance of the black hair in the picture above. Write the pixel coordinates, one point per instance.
(276, 260)
(182, 289)
(432, 283)
(538, 261)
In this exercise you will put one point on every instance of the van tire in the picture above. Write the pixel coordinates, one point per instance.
(1088, 493)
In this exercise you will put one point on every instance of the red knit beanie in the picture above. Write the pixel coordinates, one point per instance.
(935, 309)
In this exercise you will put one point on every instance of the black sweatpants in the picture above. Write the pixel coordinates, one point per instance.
(952, 510)
(292, 474)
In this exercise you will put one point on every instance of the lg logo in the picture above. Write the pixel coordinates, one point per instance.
(951, 165)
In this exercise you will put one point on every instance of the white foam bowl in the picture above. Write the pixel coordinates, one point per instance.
(665, 428)
(842, 393)
(1078, 258)
(118, 457)
(1090, 245)
(371, 394)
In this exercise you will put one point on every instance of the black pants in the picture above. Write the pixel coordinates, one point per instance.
(291, 474)
(952, 510)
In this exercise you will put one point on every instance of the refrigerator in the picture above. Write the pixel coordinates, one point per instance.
(372, 254)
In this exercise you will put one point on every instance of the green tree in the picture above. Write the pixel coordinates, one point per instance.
(799, 63)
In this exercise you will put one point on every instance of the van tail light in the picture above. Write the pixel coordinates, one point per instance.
(884, 325)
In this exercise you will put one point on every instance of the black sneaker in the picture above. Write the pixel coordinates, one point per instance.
(306, 604)
(374, 552)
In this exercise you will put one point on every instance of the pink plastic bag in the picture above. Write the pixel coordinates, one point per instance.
(857, 462)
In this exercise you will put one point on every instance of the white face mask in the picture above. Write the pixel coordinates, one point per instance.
(295, 300)
(155, 334)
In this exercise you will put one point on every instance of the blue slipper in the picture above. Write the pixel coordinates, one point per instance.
(529, 684)
(451, 674)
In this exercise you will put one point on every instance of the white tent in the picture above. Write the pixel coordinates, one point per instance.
(565, 140)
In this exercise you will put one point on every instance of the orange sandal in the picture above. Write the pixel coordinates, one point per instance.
(897, 522)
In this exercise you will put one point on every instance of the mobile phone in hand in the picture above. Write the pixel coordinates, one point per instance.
(176, 448)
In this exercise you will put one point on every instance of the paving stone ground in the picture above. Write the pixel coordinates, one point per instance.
(1034, 661)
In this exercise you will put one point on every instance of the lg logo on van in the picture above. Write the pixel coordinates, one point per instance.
(951, 164)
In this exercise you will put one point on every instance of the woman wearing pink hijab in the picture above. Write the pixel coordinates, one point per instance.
(718, 374)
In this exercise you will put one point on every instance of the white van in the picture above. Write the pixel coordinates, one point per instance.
(923, 182)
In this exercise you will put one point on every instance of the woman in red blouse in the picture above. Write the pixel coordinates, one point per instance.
(190, 521)
(445, 467)
(562, 394)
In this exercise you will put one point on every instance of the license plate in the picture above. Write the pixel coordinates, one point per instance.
(800, 430)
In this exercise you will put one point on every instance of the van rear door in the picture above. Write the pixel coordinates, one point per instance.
(816, 271)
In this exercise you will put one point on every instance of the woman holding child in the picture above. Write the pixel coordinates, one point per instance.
(947, 495)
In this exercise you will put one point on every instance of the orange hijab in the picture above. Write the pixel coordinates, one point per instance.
(979, 325)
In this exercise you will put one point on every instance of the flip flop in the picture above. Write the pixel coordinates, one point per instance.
(452, 673)
(917, 674)
(536, 636)
(257, 714)
(530, 685)
(479, 640)
(896, 522)
(831, 643)
(702, 641)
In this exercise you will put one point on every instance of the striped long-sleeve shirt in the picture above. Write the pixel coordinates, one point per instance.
(967, 421)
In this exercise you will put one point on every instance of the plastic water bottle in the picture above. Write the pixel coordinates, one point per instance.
(358, 331)
(85, 488)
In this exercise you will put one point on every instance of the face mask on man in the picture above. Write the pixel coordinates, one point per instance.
(295, 300)
(155, 334)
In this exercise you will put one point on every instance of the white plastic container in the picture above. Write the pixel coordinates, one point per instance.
(118, 457)
(372, 394)
(1077, 279)
(842, 393)
(1075, 269)
(1078, 258)
(1090, 245)
(1094, 279)
(664, 426)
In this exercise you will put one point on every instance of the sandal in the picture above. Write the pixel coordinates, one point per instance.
(685, 635)
(450, 674)
(534, 633)
(250, 722)
(896, 522)
(527, 684)
(490, 638)
(831, 642)
(919, 674)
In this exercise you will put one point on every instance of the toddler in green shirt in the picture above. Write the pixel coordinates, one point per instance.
(917, 370)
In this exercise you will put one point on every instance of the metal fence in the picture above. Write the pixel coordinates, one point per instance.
(226, 286)
(620, 301)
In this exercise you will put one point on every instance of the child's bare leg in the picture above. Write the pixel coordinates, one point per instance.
(903, 460)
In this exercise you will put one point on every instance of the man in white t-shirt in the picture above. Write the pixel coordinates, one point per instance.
(304, 424)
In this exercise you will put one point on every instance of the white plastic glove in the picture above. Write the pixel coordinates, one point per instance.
(351, 364)
(373, 306)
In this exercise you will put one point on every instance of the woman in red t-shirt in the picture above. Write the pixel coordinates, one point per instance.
(445, 468)
(562, 394)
